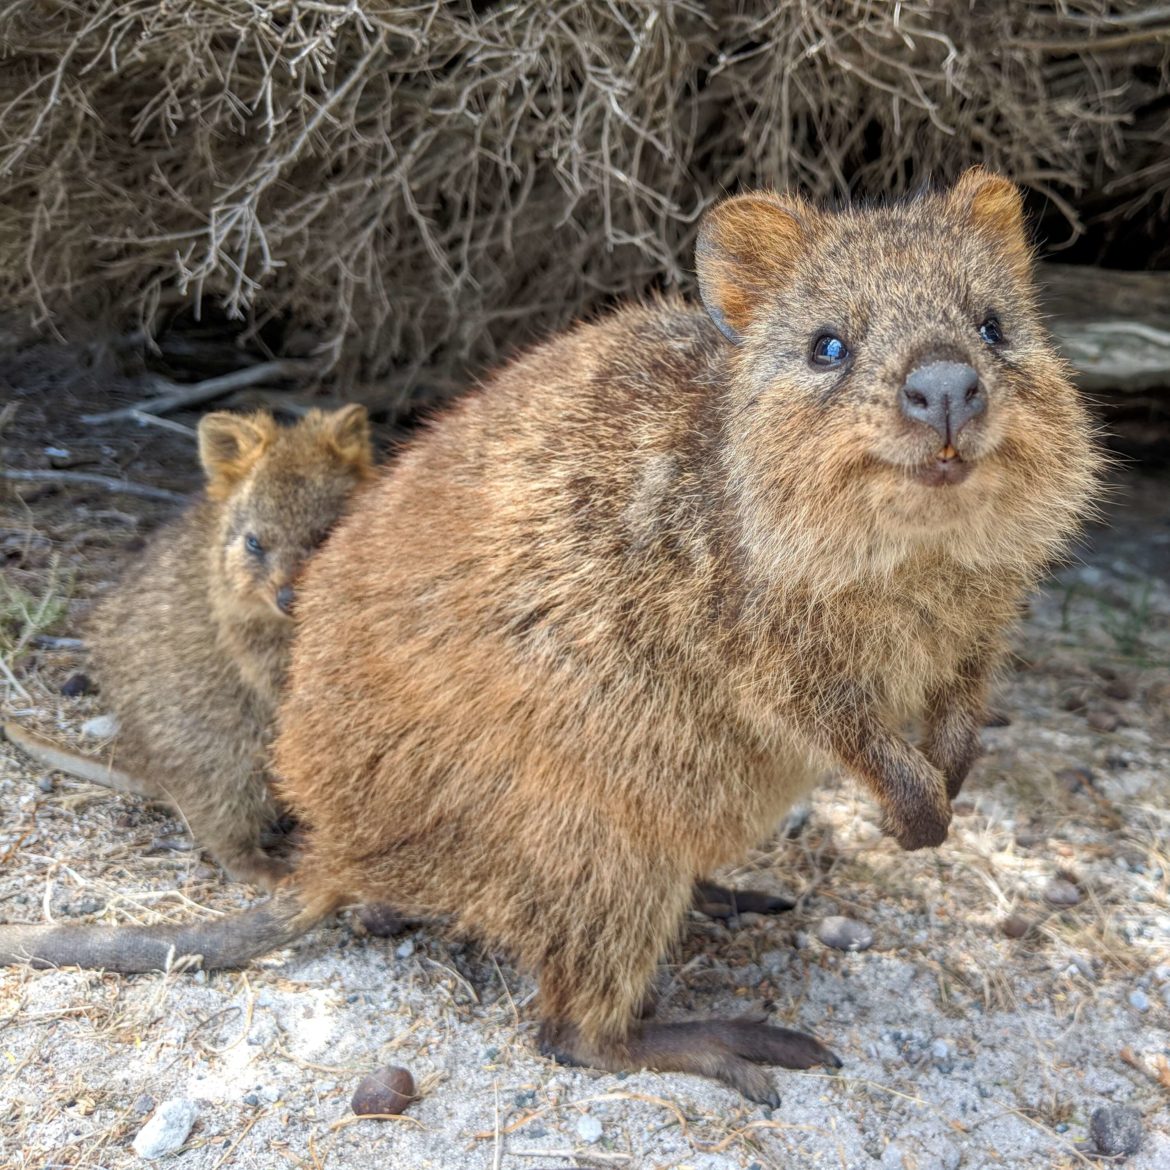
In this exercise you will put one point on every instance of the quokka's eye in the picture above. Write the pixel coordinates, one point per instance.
(829, 350)
(253, 545)
(991, 331)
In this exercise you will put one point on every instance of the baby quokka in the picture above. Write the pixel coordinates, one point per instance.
(191, 647)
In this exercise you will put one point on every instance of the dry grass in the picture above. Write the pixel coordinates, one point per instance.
(419, 185)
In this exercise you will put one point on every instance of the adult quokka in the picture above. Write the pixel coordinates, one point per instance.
(605, 620)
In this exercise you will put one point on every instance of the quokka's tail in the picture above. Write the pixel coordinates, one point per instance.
(230, 941)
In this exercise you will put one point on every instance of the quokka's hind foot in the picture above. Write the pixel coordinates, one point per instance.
(379, 920)
(255, 867)
(731, 1051)
(718, 901)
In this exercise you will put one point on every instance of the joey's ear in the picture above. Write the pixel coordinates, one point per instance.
(996, 208)
(747, 248)
(230, 444)
(349, 434)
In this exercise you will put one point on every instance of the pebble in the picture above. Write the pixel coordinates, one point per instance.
(1059, 892)
(77, 684)
(589, 1129)
(45, 784)
(167, 1129)
(388, 1090)
(1116, 1130)
(844, 934)
(1015, 926)
(143, 1104)
(405, 949)
(100, 726)
(1138, 1000)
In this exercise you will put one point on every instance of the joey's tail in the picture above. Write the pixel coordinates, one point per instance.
(230, 941)
(61, 759)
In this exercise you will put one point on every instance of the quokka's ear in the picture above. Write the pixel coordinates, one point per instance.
(995, 207)
(348, 430)
(230, 445)
(746, 250)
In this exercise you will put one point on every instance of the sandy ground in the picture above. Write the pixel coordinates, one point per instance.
(962, 1046)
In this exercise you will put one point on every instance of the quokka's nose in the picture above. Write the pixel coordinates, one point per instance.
(944, 395)
(285, 596)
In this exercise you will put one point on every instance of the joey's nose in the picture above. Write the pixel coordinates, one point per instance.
(284, 598)
(944, 395)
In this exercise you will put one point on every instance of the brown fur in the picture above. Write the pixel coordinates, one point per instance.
(191, 647)
(608, 618)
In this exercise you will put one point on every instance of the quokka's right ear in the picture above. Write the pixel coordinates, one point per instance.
(747, 247)
(230, 444)
(349, 432)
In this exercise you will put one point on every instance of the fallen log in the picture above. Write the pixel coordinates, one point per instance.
(1112, 326)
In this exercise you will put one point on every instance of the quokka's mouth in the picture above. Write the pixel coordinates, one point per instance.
(947, 468)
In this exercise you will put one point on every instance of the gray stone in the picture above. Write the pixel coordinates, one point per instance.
(167, 1129)
(100, 727)
(405, 949)
(1116, 1130)
(844, 934)
(1061, 893)
(1138, 1000)
(589, 1129)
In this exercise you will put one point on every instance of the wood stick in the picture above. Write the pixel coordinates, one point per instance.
(125, 486)
(175, 396)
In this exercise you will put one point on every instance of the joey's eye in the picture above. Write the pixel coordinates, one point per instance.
(829, 350)
(253, 545)
(991, 331)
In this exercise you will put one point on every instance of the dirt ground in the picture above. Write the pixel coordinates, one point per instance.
(963, 1045)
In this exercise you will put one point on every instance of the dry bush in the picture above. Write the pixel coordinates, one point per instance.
(418, 186)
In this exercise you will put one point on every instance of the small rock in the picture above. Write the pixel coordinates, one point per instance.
(100, 727)
(940, 1050)
(1060, 892)
(845, 934)
(143, 1104)
(1015, 926)
(405, 949)
(76, 685)
(589, 1129)
(796, 821)
(167, 1129)
(45, 784)
(1116, 1130)
(1103, 719)
(387, 1091)
(1138, 1000)
(252, 1099)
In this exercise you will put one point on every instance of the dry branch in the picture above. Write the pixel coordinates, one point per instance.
(425, 184)
(125, 486)
(176, 397)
